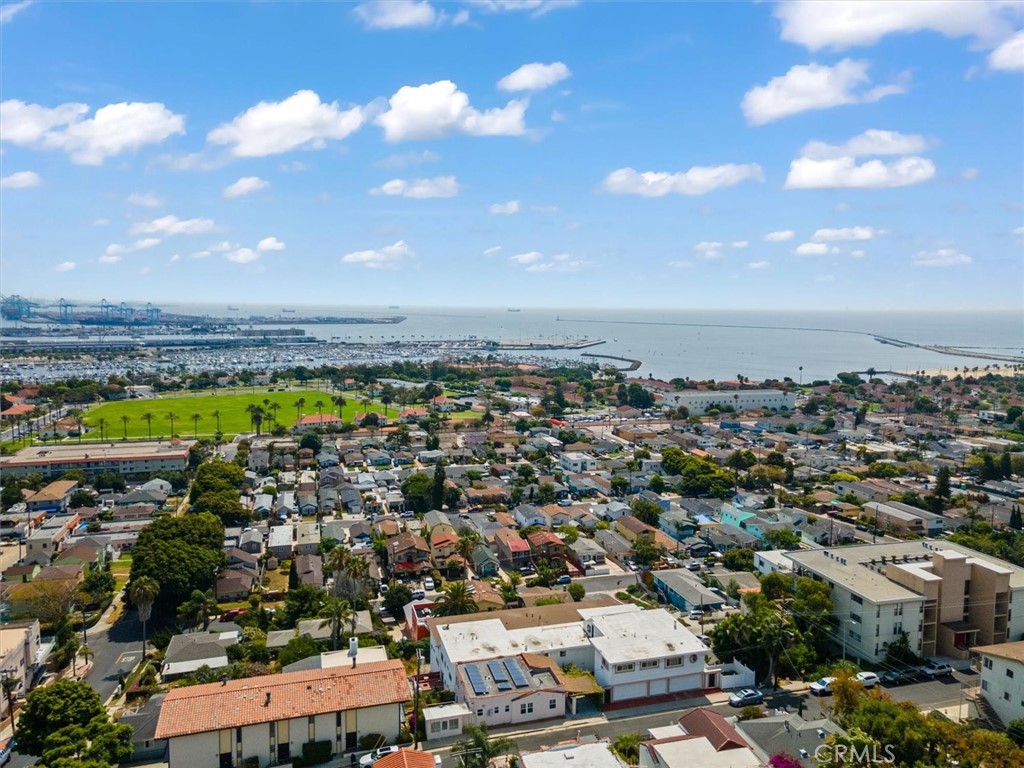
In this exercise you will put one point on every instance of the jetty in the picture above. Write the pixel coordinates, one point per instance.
(633, 364)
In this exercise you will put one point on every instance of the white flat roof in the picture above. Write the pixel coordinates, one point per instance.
(596, 755)
(701, 752)
(626, 637)
(445, 711)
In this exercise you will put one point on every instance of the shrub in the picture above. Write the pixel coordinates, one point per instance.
(316, 752)
(751, 713)
(251, 762)
(370, 741)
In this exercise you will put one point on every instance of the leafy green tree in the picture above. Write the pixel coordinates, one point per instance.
(645, 510)
(98, 743)
(577, 591)
(645, 551)
(305, 602)
(311, 440)
(438, 486)
(698, 477)
(81, 498)
(656, 484)
(224, 505)
(1015, 730)
(98, 585)
(297, 649)
(417, 489)
(335, 613)
(397, 598)
(782, 539)
(50, 708)
(11, 493)
(216, 476)
(627, 747)
(1015, 518)
(739, 559)
(545, 494)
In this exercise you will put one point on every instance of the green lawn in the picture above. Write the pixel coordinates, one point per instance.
(233, 416)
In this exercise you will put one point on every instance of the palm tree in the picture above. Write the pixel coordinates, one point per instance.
(196, 418)
(10, 684)
(148, 418)
(102, 424)
(509, 593)
(478, 748)
(86, 653)
(335, 613)
(319, 405)
(199, 608)
(350, 573)
(299, 404)
(76, 416)
(274, 408)
(143, 593)
(216, 415)
(387, 399)
(457, 600)
(339, 401)
(171, 416)
(124, 423)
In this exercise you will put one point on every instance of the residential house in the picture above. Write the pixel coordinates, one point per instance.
(702, 738)
(593, 754)
(512, 690)
(513, 551)
(53, 497)
(443, 545)
(1002, 679)
(20, 657)
(788, 734)
(409, 554)
(528, 514)
(188, 652)
(545, 545)
(234, 584)
(146, 748)
(485, 562)
(685, 590)
(307, 538)
(577, 462)
(251, 541)
(281, 543)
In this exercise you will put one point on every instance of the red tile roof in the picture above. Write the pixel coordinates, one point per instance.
(316, 419)
(268, 698)
(713, 727)
(406, 758)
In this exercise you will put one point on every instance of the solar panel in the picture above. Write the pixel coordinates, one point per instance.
(476, 680)
(516, 673)
(497, 671)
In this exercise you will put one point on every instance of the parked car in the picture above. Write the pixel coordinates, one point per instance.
(418, 594)
(746, 698)
(377, 754)
(697, 614)
(935, 668)
(693, 565)
(899, 676)
(823, 686)
(428, 584)
(868, 679)
(564, 579)
(383, 589)
(6, 750)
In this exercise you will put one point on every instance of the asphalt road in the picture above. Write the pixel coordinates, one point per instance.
(117, 649)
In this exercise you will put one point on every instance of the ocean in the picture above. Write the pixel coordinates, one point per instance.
(712, 344)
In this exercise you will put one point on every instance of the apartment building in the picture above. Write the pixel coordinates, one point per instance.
(512, 690)
(1002, 679)
(577, 462)
(946, 597)
(699, 403)
(127, 458)
(903, 518)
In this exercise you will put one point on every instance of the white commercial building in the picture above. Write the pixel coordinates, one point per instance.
(577, 462)
(1002, 679)
(699, 403)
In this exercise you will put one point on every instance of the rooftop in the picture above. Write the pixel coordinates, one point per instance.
(624, 637)
(68, 452)
(1010, 651)
(593, 755)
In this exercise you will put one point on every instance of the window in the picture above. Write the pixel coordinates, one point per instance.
(624, 667)
(984, 685)
(435, 727)
(856, 617)
(526, 709)
(507, 707)
(480, 712)
(1009, 673)
(988, 663)
(650, 664)
(857, 599)
(675, 661)
(552, 703)
(1006, 696)
(561, 654)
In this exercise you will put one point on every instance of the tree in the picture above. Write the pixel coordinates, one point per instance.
(98, 585)
(645, 551)
(125, 418)
(53, 707)
(335, 613)
(942, 489)
(311, 440)
(80, 498)
(545, 494)
(171, 416)
(1015, 518)
(199, 609)
(148, 418)
(627, 746)
(297, 649)
(225, 505)
(11, 493)
(739, 559)
(577, 591)
(350, 573)
(143, 593)
(782, 539)
(99, 743)
(456, 600)
(656, 484)
(305, 602)
(478, 749)
(417, 489)
(1015, 730)
(196, 418)
(645, 510)
(397, 597)
(437, 488)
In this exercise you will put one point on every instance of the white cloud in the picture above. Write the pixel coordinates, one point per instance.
(397, 14)
(781, 236)
(871, 142)
(1009, 55)
(560, 262)
(708, 249)
(699, 180)
(759, 264)
(534, 77)
(64, 266)
(144, 243)
(145, 199)
(526, 258)
(434, 110)
(112, 130)
(505, 209)
(848, 233)
(811, 249)
(245, 186)
(739, 244)
(112, 254)
(100, 222)
(535, 8)
(174, 258)
(273, 127)
(242, 256)
(944, 257)
(439, 186)
(222, 247)
(404, 159)
(812, 86)
(492, 250)
(388, 257)
(840, 24)
(7, 13)
(270, 244)
(172, 225)
(20, 180)
(844, 172)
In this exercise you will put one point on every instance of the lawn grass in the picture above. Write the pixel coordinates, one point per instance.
(233, 416)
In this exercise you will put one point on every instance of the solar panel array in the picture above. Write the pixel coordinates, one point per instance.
(476, 680)
(498, 673)
(519, 679)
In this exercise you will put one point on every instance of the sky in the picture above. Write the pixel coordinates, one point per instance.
(527, 153)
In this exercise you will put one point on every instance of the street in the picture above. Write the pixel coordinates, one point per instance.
(117, 649)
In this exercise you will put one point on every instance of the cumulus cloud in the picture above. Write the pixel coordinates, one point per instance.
(492, 250)
(848, 233)
(534, 77)
(113, 129)
(273, 127)
(813, 86)
(846, 173)
(780, 237)
(759, 264)
(699, 180)
(871, 142)
(20, 180)
(388, 257)
(526, 258)
(7, 13)
(840, 24)
(435, 110)
(944, 257)
(245, 186)
(172, 225)
(242, 256)
(708, 249)
(439, 186)
(64, 266)
(505, 209)
(144, 243)
(270, 244)
(397, 14)
(813, 249)
(145, 199)
(534, 261)
(112, 254)
(739, 244)
(1009, 55)
(405, 159)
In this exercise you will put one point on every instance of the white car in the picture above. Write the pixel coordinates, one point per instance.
(823, 686)
(377, 754)
(428, 584)
(868, 679)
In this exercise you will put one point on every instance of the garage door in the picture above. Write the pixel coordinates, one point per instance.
(657, 687)
(684, 683)
(629, 691)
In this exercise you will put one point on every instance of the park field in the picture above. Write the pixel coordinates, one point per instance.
(231, 407)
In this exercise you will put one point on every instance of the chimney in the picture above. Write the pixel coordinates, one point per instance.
(266, 702)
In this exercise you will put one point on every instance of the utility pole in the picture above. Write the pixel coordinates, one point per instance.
(416, 703)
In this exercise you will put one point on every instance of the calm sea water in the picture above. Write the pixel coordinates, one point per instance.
(698, 344)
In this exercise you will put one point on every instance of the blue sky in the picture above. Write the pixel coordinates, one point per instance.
(521, 152)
